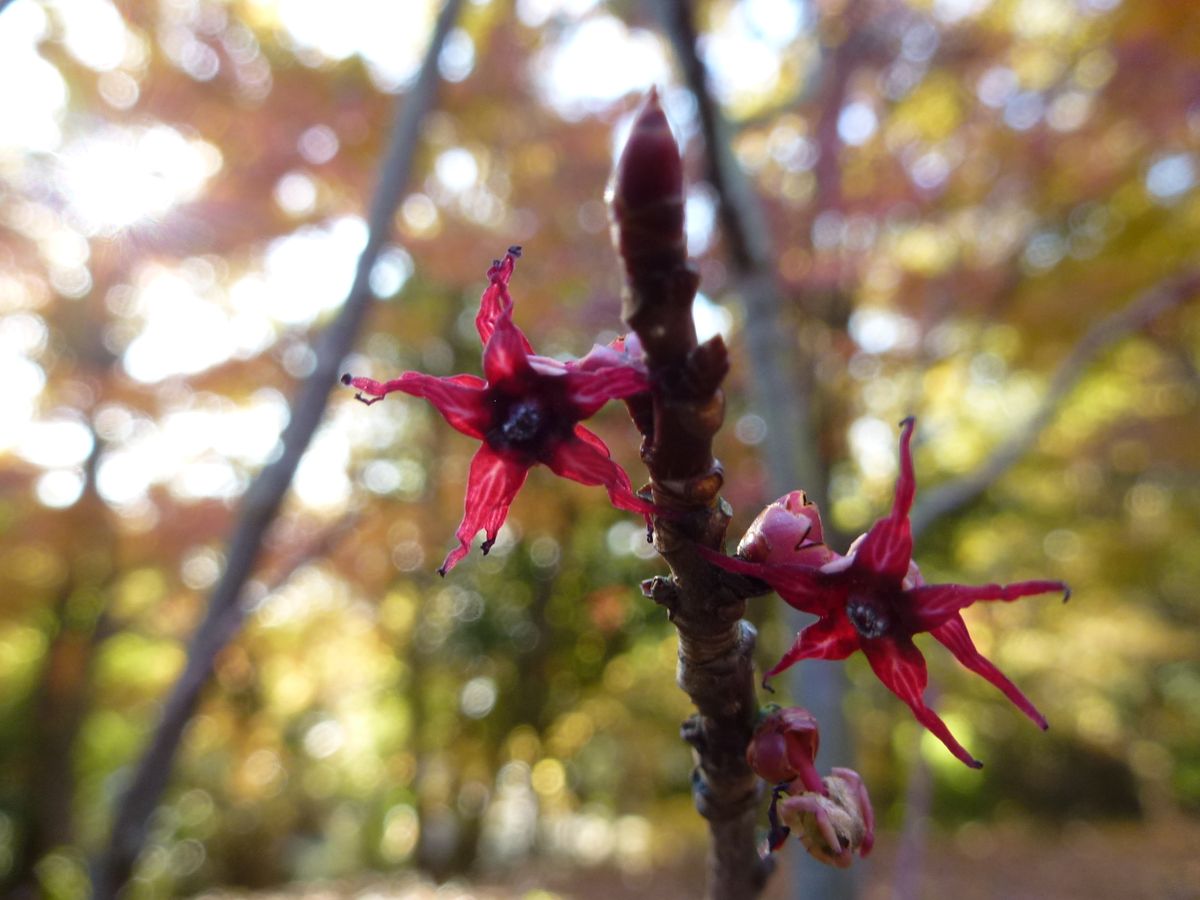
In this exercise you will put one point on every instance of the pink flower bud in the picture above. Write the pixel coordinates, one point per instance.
(784, 748)
(787, 531)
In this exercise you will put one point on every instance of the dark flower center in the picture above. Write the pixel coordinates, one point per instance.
(520, 427)
(869, 615)
(522, 423)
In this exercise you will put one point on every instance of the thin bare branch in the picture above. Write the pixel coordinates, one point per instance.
(1140, 313)
(265, 495)
(837, 65)
(746, 231)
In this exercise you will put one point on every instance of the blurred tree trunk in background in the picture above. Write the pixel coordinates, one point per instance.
(786, 391)
(64, 689)
(264, 496)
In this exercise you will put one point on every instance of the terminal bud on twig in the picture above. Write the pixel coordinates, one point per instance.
(647, 202)
(646, 198)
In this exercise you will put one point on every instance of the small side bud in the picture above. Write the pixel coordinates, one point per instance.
(784, 748)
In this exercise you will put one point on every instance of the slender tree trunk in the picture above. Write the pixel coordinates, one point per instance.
(113, 868)
(63, 689)
(783, 383)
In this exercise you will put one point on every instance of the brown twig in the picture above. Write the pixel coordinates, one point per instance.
(952, 496)
(715, 646)
(265, 495)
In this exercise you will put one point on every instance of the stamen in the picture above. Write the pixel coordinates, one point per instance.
(523, 422)
(869, 615)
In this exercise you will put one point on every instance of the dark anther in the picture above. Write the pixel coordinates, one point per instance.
(347, 378)
(515, 250)
(487, 545)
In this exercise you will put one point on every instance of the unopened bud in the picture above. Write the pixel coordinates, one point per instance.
(836, 825)
(784, 748)
(787, 531)
(646, 199)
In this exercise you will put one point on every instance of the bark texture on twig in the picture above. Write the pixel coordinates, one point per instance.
(1148, 306)
(716, 668)
(113, 868)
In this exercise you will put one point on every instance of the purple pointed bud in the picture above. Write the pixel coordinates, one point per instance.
(646, 197)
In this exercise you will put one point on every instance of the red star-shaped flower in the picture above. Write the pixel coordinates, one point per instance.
(526, 410)
(874, 599)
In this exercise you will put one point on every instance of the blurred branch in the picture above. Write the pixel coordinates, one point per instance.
(79, 625)
(319, 545)
(265, 495)
(911, 843)
(954, 495)
(747, 233)
(838, 64)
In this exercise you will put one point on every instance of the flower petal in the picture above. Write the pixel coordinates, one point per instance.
(830, 637)
(805, 588)
(589, 390)
(933, 604)
(492, 484)
(592, 438)
(859, 792)
(506, 355)
(787, 531)
(496, 301)
(887, 548)
(954, 636)
(459, 398)
(625, 350)
(586, 460)
(900, 666)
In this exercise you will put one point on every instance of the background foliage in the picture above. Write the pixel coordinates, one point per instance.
(182, 192)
